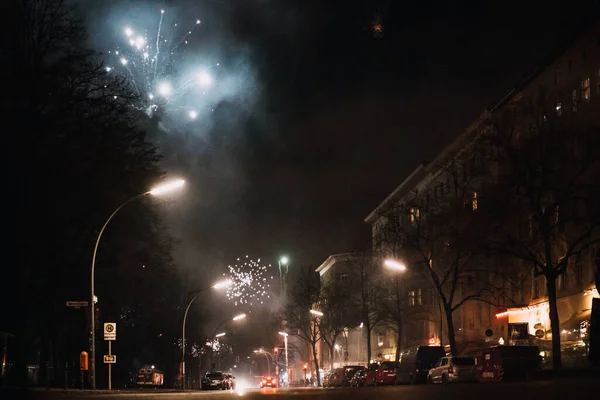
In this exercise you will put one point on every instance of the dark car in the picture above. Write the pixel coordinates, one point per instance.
(382, 373)
(416, 363)
(214, 380)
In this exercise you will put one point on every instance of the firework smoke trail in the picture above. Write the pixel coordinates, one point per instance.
(156, 73)
(249, 282)
(162, 13)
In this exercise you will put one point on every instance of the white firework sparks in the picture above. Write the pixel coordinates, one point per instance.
(250, 282)
(152, 64)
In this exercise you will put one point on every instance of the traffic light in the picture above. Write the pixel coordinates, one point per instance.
(275, 350)
(305, 367)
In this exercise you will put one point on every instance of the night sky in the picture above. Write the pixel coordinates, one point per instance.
(336, 113)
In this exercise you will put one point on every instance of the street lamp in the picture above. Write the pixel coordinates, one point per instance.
(285, 341)
(156, 191)
(394, 265)
(266, 354)
(218, 285)
(236, 318)
(283, 261)
(218, 335)
(317, 313)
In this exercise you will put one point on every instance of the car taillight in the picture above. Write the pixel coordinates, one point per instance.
(451, 369)
(264, 381)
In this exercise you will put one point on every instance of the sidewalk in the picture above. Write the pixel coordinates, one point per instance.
(550, 374)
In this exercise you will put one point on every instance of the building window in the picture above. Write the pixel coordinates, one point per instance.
(575, 100)
(414, 214)
(474, 203)
(411, 298)
(419, 297)
(344, 277)
(585, 90)
(559, 108)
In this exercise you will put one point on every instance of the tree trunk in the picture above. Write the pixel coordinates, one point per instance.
(368, 332)
(451, 335)
(399, 336)
(314, 349)
(554, 320)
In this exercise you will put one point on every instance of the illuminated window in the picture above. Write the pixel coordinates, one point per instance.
(586, 90)
(474, 201)
(574, 100)
(419, 297)
(559, 108)
(411, 298)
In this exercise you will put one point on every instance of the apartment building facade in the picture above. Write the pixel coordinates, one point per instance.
(461, 176)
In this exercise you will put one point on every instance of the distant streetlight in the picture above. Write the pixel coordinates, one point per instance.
(284, 260)
(156, 191)
(266, 354)
(285, 341)
(317, 313)
(394, 265)
(218, 285)
(236, 318)
(218, 335)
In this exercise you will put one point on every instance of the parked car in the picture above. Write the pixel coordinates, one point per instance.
(215, 380)
(416, 363)
(327, 380)
(342, 376)
(358, 380)
(268, 381)
(383, 373)
(453, 369)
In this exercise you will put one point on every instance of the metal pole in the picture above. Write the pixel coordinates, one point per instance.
(287, 368)
(183, 336)
(93, 296)
(109, 366)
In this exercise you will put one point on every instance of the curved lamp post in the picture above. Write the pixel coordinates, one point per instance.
(287, 367)
(218, 335)
(218, 285)
(157, 191)
(266, 354)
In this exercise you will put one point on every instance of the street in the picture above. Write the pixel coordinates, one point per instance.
(557, 389)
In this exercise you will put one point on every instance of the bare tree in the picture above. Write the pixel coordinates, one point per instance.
(547, 211)
(436, 231)
(338, 315)
(305, 294)
(368, 295)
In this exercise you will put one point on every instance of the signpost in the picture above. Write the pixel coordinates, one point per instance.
(110, 334)
(77, 304)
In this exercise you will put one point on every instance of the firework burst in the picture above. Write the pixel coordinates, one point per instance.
(153, 64)
(250, 282)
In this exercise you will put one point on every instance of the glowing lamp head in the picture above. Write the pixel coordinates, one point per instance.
(218, 335)
(395, 265)
(316, 312)
(204, 79)
(284, 334)
(167, 187)
(165, 89)
(238, 317)
(220, 285)
(284, 260)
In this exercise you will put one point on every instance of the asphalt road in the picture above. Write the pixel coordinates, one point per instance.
(561, 389)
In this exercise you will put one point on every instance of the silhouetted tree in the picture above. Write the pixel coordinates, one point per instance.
(305, 294)
(547, 194)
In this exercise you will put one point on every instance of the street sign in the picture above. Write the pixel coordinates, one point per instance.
(77, 304)
(110, 331)
(110, 359)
